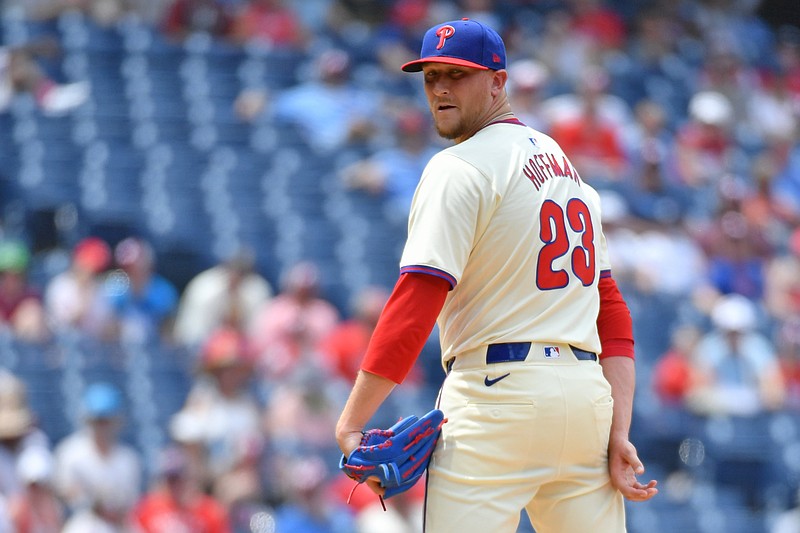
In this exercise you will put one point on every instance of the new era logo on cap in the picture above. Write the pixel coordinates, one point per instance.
(462, 42)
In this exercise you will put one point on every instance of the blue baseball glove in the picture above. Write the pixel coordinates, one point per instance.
(397, 456)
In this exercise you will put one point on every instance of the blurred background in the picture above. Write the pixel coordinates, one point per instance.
(203, 205)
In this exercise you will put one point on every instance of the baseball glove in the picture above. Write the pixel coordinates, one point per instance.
(397, 456)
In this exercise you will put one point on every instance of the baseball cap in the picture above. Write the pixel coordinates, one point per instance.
(93, 254)
(224, 348)
(16, 418)
(462, 42)
(102, 400)
(734, 312)
(14, 256)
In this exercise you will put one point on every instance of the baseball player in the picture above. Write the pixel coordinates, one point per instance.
(505, 248)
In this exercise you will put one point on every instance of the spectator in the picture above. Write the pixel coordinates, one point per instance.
(225, 414)
(186, 17)
(103, 514)
(175, 503)
(773, 110)
(703, 143)
(21, 73)
(142, 302)
(288, 328)
(782, 281)
(737, 250)
(96, 474)
(394, 171)
(105, 13)
(737, 366)
(591, 125)
(674, 374)
(300, 415)
(651, 196)
(18, 433)
(527, 79)
(226, 295)
(21, 307)
(346, 344)
(330, 111)
(268, 22)
(37, 509)
(601, 27)
(788, 347)
(658, 71)
(309, 507)
(73, 299)
(786, 185)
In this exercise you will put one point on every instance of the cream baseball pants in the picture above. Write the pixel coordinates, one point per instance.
(535, 439)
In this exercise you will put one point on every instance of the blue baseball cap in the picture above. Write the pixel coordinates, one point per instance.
(102, 400)
(462, 42)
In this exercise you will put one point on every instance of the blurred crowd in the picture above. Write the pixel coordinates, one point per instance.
(684, 115)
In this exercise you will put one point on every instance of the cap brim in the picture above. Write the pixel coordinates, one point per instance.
(416, 65)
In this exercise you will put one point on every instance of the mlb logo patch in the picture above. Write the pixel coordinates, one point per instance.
(552, 352)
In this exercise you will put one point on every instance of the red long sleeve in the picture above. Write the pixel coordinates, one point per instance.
(405, 325)
(614, 323)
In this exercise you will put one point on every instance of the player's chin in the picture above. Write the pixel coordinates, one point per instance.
(447, 131)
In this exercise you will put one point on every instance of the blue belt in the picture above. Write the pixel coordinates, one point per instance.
(517, 351)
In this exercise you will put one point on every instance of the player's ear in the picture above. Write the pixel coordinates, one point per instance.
(499, 79)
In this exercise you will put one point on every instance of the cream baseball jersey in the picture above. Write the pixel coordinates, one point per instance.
(507, 220)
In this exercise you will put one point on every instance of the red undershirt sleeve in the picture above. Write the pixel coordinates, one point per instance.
(614, 323)
(405, 325)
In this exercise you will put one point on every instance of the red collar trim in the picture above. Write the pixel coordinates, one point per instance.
(508, 121)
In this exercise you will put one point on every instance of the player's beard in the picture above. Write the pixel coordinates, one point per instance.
(448, 129)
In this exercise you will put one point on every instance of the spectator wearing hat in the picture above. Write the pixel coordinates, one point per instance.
(37, 508)
(142, 302)
(288, 329)
(18, 432)
(21, 307)
(176, 503)
(222, 415)
(73, 298)
(95, 472)
(591, 125)
(526, 87)
(737, 366)
(226, 295)
(703, 143)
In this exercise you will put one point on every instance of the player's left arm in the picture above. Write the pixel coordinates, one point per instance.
(615, 328)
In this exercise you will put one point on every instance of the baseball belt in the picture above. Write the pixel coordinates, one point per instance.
(510, 352)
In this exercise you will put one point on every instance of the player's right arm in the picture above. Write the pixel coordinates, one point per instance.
(403, 328)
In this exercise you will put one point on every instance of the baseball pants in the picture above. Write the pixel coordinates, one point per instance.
(535, 439)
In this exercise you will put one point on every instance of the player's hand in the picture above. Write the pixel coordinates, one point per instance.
(623, 467)
(348, 441)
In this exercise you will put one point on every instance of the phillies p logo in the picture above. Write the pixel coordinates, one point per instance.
(444, 33)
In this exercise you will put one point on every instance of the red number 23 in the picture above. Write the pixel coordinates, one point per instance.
(554, 234)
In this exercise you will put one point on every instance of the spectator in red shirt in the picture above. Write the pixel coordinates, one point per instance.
(185, 17)
(175, 503)
(21, 307)
(344, 347)
(674, 374)
(269, 21)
